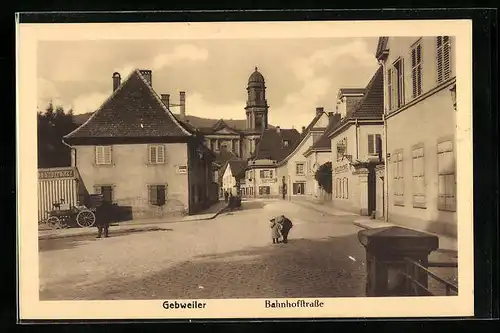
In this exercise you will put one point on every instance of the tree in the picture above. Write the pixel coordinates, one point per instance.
(324, 177)
(52, 126)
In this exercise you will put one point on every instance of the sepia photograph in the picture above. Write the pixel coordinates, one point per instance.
(264, 169)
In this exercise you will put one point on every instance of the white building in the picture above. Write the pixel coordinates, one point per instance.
(294, 169)
(419, 89)
(356, 151)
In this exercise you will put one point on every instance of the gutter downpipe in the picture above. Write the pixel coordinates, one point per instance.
(386, 162)
(72, 149)
(357, 139)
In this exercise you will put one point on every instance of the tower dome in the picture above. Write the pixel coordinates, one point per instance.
(256, 77)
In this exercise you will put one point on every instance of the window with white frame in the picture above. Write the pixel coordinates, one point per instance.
(299, 169)
(446, 176)
(374, 144)
(416, 69)
(418, 171)
(443, 48)
(157, 194)
(156, 154)
(103, 155)
(399, 80)
(266, 174)
(398, 183)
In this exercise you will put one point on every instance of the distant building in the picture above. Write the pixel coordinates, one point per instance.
(240, 137)
(233, 173)
(356, 148)
(295, 170)
(136, 153)
(262, 178)
(420, 113)
(317, 155)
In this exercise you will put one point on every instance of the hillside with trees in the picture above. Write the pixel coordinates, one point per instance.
(53, 124)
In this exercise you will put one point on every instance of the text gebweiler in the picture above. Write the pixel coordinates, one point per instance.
(167, 305)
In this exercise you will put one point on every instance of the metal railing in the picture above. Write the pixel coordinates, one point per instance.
(414, 284)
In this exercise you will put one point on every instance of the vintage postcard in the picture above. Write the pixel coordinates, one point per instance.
(245, 170)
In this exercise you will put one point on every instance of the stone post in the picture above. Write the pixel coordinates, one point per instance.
(386, 252)
(363, 191)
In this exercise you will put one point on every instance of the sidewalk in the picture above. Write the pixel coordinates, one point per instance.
(135, 225)
(446, 243)
(322, 207)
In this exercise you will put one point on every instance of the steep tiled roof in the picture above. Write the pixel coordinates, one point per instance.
(238, 168)
(133, 110)
(272, 146)
(301, 137)
(371, 106)
(324, 142)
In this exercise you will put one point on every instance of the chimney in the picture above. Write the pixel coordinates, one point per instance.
(182, 98)
(148, 76)
(303, 129)
(319, 110)
(278, 130)
(116, 80)
(165, 98)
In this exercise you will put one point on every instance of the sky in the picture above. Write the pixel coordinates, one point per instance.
(300, 74)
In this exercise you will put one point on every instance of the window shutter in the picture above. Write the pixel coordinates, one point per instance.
(419, 71)
(439, 46)
(161, 154)
(261, 173)
(370, 144)
(153, 154)
(99, 157)
(161, 195)
(153, 194)
(389, 87)
(446, 58)
(107, 154)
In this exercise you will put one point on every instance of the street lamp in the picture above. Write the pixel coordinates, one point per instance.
(453, 91)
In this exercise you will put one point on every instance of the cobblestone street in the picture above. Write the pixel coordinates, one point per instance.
(229, 257)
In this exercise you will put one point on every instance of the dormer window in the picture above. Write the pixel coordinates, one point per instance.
(286, 143)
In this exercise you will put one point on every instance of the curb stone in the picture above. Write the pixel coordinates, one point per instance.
(130, 227)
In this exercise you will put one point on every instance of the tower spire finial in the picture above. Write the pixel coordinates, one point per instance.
(256, 68)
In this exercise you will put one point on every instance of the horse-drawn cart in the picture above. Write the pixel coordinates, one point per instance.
(65, 216)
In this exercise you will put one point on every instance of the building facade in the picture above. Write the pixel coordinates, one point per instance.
(356, 147)
(420, 113)
(241, 137)
(136, 154)
(316, 156)
(294, 170)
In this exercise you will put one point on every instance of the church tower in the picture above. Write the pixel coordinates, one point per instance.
(256, 109)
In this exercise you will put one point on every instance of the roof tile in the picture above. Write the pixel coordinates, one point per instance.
(133, 110)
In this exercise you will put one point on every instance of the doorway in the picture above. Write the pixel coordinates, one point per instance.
(372, 190)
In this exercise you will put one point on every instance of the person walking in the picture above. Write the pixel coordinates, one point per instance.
(286, 224)
(103, 216)
(226, 196)
(275, 230)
